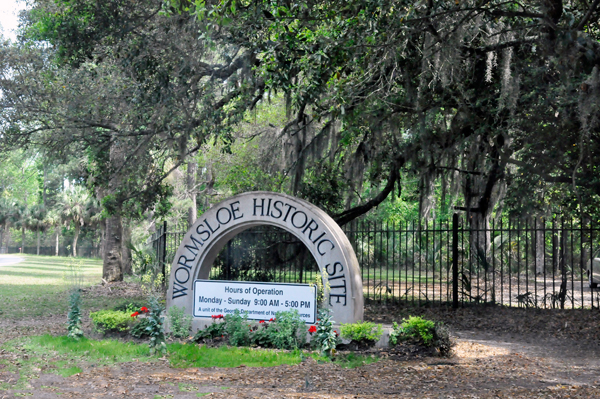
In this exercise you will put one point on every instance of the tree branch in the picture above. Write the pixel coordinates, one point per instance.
(588, 15)
(353, 213)
(499, 46)
(460, 170)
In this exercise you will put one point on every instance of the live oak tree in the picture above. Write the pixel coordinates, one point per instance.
(490, 99)
(133, 90)
(484, 96)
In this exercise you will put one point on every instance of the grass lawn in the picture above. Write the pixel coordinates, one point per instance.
(64, 356)
(38, 285)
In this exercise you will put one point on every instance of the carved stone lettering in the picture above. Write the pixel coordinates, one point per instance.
(321, 235)
(235, 209)
(182, 275)
(220, 215)
(295, 219)
(194, 248)
(323, 242)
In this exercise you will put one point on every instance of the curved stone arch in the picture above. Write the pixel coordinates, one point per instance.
(313, 227)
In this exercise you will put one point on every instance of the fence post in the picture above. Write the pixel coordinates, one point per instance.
(455, 261)
(163, 243)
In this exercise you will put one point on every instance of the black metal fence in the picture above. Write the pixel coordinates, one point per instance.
(528, 263)
(158, 242)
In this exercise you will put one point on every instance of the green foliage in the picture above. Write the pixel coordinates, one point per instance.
(238, 329)
(414, 328)
(179, 322)
(324, 186)
(285, 331)
(155, 327)
(291, 330)
(212, 331)
(325, 339)
(111, 320)
(288, 331)
(322, 289)
(423, 332)
(362, 332)
(142, 259)
(141, 328)
(130, 307)
(74, 318)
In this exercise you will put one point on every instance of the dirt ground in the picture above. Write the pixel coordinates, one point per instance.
(500, 353)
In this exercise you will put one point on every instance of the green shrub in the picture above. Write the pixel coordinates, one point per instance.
(140, 329)
(414, 329)
(262, 335)
(287, 331)
(362, 332)
(155, 327)
(325, 338)
(423, 332)
(111, 320)
(212, 331)
(180, 323)
(238, 329)
(130, 307)
(74, 317)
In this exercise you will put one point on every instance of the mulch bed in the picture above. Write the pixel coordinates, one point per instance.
(577, 325)
(490, 365)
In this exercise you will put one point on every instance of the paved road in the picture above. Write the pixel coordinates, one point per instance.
(6, 260)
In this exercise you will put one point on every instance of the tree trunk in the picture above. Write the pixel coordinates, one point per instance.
(38, 242)
(126, 249)
(112, 269)
(102, 237)
(23, 239)
(7, 236)
(479, 226)
(191, 186)
(57, 233)
(75, 237)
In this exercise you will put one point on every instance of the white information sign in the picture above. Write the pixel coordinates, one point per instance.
(260, 301)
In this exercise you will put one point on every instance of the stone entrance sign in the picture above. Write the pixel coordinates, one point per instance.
(319, 232)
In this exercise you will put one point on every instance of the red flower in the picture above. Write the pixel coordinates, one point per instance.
(262, 321)
(336, 333)
(135, 314)
(144, 309)
(220, 316)
(312, 329)
(271, 319)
